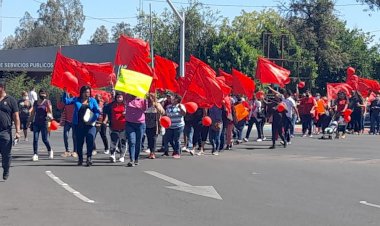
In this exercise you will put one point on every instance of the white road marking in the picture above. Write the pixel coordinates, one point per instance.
(68, 188)
(369, 204)
(254, 173)
(206, 191)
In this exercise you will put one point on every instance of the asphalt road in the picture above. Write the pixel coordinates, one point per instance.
(312, 182)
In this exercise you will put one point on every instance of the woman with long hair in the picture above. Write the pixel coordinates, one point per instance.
(40, 116)
(25, 108)
(86, 112)
(153, 127)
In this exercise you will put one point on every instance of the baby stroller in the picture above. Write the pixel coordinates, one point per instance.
(330, 131)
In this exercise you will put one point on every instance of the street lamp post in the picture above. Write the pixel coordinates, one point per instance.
(181, 18)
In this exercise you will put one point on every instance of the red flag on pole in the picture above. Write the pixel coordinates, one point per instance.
(166, 72)
(128, 48)
(242, 84)
(270, 73)
(227, 77)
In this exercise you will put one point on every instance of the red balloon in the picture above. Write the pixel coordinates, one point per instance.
(347, 119)
(301, 84)
(206, 121)
(191, 107)
(54, 125)
(165, 122)
(281, 107)
(350, 71)
(347, 112)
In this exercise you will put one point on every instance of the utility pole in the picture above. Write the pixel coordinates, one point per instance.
(181, 18)
(151, 36)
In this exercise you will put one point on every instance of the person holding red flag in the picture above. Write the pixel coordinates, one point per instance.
(306, 107)
(340, 106)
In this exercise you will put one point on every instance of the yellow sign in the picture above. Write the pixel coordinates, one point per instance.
(134, 83)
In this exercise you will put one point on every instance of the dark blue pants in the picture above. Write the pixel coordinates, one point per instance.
(134, 132)
(82, 133)
(215, 139)
(66, 129)
(5, 148)
(172, 136)
(375, 123)
(37, 129)
(239, 129)
(307, 123)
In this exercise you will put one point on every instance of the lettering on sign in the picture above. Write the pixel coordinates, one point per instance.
(26, 65)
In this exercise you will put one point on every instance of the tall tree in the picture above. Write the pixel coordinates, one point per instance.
(60, 22)
(100, 36)
(120, 29)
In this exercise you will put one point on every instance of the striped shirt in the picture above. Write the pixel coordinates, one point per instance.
(174, 113)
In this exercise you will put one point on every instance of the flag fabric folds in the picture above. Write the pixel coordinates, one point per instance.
(201, 86)
(91, 74)
(334, 88)
(270, 73)
(134, 83)
(165, 71)
(242, 84)
(129, 48)
(228, 79)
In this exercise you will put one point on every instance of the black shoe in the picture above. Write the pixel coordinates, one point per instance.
(5, 175)
(80, 163)
(130, 164)
(272, 147)
(165, 154)
(89, 162)
(285, 144)
(137, 163)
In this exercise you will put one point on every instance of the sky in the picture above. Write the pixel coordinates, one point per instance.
(110, 12)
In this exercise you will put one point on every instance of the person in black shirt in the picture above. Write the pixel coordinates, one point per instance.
(8, 114)
(375, 115)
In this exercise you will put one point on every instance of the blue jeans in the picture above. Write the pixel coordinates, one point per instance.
(189, 132)
(5, 148)
(37, 129)
(214, 137)
(134, 132)
(82, 133)
(172, 136)
(293, 126)
(66, 129)
(239, 129)
(375, 123)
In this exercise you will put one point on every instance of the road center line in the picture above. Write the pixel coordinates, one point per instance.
(369, 204)
(68, 188)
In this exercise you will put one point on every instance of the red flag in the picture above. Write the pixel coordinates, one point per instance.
(102, 74)
(202, 86)
(366, 86)
(270, 73)
(166, 71)
(90, 74)
(139, 65)
(242, 84)
(128, 48)
(227, 77)
(334, 88)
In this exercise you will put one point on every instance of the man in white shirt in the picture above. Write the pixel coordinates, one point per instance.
(32, 96)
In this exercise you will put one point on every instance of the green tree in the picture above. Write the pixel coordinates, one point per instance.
(120, 29)
(60, 22)
(100, 36)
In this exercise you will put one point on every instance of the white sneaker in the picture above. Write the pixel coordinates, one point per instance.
(215, 153)
(245, 140)
(147, 151)
(107, 152)
(121, 159)
(200, 153)
(51, 154)
(289, 142)
(35, 158)
(184, 148)
(259, 140)
(94, 153)
(311, 135)
(264, 138)
(112, 158)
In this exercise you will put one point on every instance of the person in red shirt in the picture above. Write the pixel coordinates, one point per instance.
(306, 107)
(114, 114)
(341, 105)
